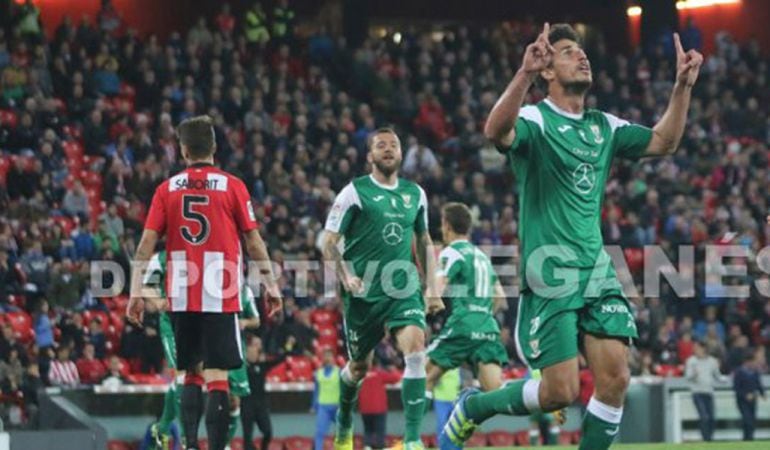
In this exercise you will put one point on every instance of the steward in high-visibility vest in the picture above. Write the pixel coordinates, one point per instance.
(256, 25)
(326, 397)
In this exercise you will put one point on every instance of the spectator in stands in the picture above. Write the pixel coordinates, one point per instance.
(76, 201)
(73, 330)
(709, 319)
(96, 337)
(10, 281)
(30, 385)
(85, 247)
(373, 403)
(702, 370)
(11, 371)
(65, 287)
(109, 19)
(90, 369)
(36, 266)
(41, 323)
(419, 160)
(152, 349)
(748, 386)
(8, 343)
(325, 397)
(63, 372)
(114, 376)
(225, 20)
(283, 22)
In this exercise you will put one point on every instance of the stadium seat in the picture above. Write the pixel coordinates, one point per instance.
(429, 440)
(278, 373)
(328, 443)
(21, 323)
(322, 317)
(669, 370)
(298, 443)
(8, 118)
(275, 444)
(522, 438)
(203, 443)
(358, 441)
(119, 445)
(576, 437)
(500, 438)
(125, 367)
(391, 440)
(565, 437)
(236, 443)
(299, 368)
(89, 315)
(478, 439)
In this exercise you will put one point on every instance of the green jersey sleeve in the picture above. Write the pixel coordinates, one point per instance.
(248, 305)
(421, 224)
(345, 207)
(155, 272)
(629, 141)
(529, 126)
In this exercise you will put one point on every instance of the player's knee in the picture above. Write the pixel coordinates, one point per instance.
(414, 364)
(612, 384)
(358, 370)
(411, 339)
(559, 394)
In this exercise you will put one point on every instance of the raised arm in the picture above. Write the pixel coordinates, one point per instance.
(257, 251)
(501, 123)
(669, 130)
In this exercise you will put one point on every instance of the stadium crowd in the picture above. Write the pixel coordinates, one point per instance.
(87, 132)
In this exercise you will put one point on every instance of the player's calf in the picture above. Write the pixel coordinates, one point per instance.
(559, 386)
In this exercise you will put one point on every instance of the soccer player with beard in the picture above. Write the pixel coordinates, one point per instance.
(561, 154)
(379, 216)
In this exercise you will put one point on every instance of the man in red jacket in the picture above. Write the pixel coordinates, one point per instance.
(373, 404)
(91, 370)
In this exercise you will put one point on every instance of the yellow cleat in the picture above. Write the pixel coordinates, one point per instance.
(343, 442)
(401, 445)
(560, 416)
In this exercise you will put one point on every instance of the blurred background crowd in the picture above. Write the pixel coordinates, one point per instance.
(87, 132)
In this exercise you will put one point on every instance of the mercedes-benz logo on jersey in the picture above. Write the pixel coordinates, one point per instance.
(392, 233)
(584, 178)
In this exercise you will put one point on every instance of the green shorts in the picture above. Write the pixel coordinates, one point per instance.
(238, 380)
(167, 340)
(547, 329)
(452, 348)
(365, 322)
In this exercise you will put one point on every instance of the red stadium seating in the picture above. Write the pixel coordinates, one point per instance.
(522, 438)
(278, 373)
(500, 438)
(391, 440)
(299, 368)
(478, 439)
(298, 443)
(236, 443)
(565, 437)
(89, 315)
(119, 445)
(21, 323)
(275, 444)
(669, 370)
(8, 118)
(429, 440)
(146, 378)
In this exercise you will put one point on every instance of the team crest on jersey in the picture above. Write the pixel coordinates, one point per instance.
(598, 138)
(393, 202)
(534, 344)
(407, 200)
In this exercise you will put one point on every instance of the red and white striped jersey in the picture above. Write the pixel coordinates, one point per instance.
(202, 211)
(63, 373)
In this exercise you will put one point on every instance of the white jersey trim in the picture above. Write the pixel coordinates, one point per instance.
(562, 112)
(615, 122)
(532, 113)
(346, 199)
(452, 256)
(389, 187)
(424, 206)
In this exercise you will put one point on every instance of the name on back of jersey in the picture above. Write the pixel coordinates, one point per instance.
(198, 184)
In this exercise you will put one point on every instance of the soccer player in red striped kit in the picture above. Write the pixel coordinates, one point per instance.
(203, 211)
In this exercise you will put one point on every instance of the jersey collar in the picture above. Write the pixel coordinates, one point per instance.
(384, 186)
(459, 241)
(560, 111)
(200, 164)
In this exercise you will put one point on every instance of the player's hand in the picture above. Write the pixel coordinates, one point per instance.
(354, 285)
(538, 54)
(135, 311)
(433, 301)
(274, 300)
(687, 64)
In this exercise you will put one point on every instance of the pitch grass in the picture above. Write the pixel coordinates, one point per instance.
(758, 445)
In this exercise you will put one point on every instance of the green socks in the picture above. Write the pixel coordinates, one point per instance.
(600, 425)
(414, 400)
(233, 426)
(518, 398)
(428, 401)
(348, 397)
(170, 409)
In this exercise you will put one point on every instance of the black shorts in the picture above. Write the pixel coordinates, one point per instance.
(211, 338)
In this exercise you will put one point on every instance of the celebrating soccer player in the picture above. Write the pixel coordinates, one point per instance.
(379, 215)
(561, 154)
(203, 212)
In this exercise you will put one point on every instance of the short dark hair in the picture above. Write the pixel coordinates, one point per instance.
(561, 31)
(197, 134)
(558, 32)
(458, 216)
(381, 130)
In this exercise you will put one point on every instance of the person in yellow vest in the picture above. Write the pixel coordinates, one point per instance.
(444, 394)
(325, 397)
(283, 21)
(541, 423)
(256, 25)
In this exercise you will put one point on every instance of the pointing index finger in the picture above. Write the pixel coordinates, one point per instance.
(678, 45)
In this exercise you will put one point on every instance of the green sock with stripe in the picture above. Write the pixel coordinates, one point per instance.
(170, 409)
(348, 397)
(518, 398)
(600, 425)
(233, 426)
(413, 398)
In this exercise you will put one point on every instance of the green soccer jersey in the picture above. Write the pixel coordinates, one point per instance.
(378, 224)
(470, 288)
(561, 162)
